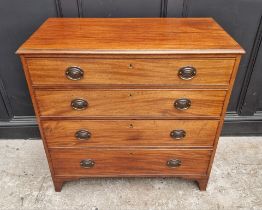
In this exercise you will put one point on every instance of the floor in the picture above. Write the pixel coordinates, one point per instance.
(235, 183)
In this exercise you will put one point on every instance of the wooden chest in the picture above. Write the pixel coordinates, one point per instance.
(130, 97)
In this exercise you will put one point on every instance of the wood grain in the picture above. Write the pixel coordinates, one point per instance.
(232, 79)
(131, 36)
(135, 133)
(42, 132)
(128, 103)
(51, 71)
(131, 110)
(129, 161)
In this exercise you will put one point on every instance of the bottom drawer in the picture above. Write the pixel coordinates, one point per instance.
(129, 162)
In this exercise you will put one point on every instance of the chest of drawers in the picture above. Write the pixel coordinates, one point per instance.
(130, 97)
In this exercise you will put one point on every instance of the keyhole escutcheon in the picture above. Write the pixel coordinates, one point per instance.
(130, 66)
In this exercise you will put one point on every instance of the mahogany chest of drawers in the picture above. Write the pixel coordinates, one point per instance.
(130, 97)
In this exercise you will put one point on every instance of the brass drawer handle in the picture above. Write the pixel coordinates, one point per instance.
(174, 163)
(178, 134)
(83, 134)
(74, 73)
(182, 104)
(88, 163)
(187, 73)
(79, 104)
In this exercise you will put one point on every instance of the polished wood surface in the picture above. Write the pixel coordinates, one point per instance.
(129, 161)
(227, 98)
(130, 83)
(51, 71)
(135, 133)
(130, 103)
(131, 36)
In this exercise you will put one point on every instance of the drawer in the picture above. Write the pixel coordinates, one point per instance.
(52, 71)
(98, 162)
(114, 133)
(130, 103)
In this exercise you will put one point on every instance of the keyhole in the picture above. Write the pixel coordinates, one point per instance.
(130, 66)
(130, 94)
(131, 126)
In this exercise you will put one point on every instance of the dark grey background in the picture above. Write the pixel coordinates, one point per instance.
(240, 18)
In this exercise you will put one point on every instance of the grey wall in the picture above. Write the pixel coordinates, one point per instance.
(241, 18)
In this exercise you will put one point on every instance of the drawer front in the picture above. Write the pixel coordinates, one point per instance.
(130, 103)
(95, 162)
(52, 71)
(113, 133)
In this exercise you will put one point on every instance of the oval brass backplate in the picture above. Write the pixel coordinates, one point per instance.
(178, 134)
(74, 73)
(174, 163)
(187, 73)
(88, 163)
(182, 104)
(83, 134)
(79, 104)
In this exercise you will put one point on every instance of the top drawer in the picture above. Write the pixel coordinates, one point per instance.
(60, 71)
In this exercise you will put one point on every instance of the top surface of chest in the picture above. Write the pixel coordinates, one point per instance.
(130, 35)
